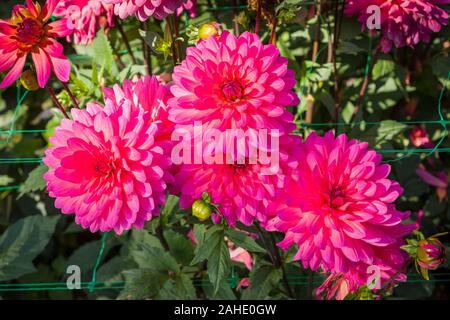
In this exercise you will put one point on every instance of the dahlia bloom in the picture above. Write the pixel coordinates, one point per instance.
(190, 6)
(143, 9)
(242, 190)
(108, 167)
(234, 82)
(147, 93)
(403, 22)
(29, 31)
(86, 17)
(340, 211)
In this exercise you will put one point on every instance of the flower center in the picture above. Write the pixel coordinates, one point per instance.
(104, 168)
(337, 197)
(232, 90)
(30, 32)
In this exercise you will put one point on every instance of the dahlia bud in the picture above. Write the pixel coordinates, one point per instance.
(428, 253)
(204, 32)
(208, 30)
(201, 210)
(431, 253)
(29, 81)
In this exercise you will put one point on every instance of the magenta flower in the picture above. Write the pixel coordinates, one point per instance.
(108, 166)
(419, 137)
(190, 6)
(242, 190)
(147, 93)
(431, 253)
(234, 82)
(340, 210)
(437, 180)
(403, 22)
(143, 9)
(86, 17)
(29, 31)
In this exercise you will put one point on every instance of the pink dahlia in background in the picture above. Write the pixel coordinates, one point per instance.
(85, 17)
(340, 211)
(403, 22)
(242, 190)
(419, 137)
(29, 31)
(147, 93)
(234, 82)
(143, 9)
(439, 180)
(190, 6)
(108, 167)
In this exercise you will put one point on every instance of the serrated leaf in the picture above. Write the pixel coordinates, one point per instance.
(22, 242)
(35, 181)
(244, 241)
(102, 53)
(204, 248)
(214, 249)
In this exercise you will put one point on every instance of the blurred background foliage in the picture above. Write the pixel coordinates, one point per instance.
(37, 243)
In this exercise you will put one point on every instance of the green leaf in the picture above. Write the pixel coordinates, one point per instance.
(206, 241)
(214, 249)
(156, 259)
(142, 284)
(382, 68)
(180, 246)
(86, 255)
(101, 52)
(22, 242)
(224, 293)
(35, 181)
(184, 287)
(244, 241)
(347, 47)
(263, 280)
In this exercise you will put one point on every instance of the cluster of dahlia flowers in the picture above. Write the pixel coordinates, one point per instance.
(112, 166)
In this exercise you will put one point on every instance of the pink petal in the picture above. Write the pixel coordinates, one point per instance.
(43, 67)
(14, 73)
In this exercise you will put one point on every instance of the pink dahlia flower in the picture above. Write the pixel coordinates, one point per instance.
(29, 31)
(108, 167)
(143, 9)
(403, 22)
(243, 190)
(147, 93)
(86, 17)
(234, 82)
(340, 210)
(190, 6)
